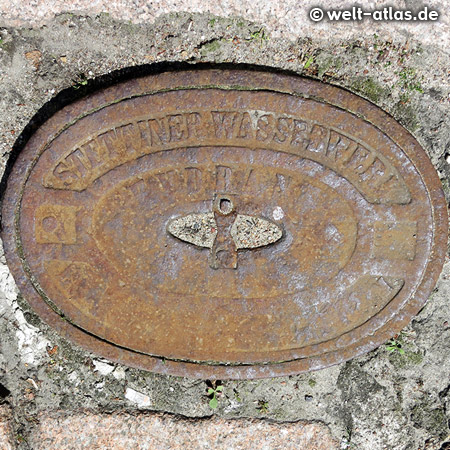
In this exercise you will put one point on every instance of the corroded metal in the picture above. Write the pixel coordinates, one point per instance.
(225, 224)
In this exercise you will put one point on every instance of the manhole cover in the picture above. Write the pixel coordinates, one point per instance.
(225, 224)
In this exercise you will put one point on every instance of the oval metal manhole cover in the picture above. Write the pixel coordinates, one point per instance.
(225, 224)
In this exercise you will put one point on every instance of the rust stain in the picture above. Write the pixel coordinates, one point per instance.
(127, 222)
(34, 56)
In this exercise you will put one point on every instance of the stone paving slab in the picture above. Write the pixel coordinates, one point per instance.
(119, 431)
(287, 18)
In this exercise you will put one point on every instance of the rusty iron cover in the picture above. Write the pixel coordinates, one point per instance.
(225, 224)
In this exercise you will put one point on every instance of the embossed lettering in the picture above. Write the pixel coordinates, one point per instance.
(223, 178)
(158, 131)
(67, 172)
(177, 128)
(264, 127)
(245, 130)
(223, 123)
(169, 180)
(55, 224)
(283, 129)
(128, 140)
(101, 148)
(318, 139)
(370, 172)
(281, 184)
(193, 178)
(300, 133)
(194, 125)
(251, 182)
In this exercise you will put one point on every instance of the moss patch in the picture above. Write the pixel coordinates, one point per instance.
(369, 88)
(210, 47)
(408, 359)
(432, 419)
(405, 113)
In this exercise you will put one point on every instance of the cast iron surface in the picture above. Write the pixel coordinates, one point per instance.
(224, 224)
